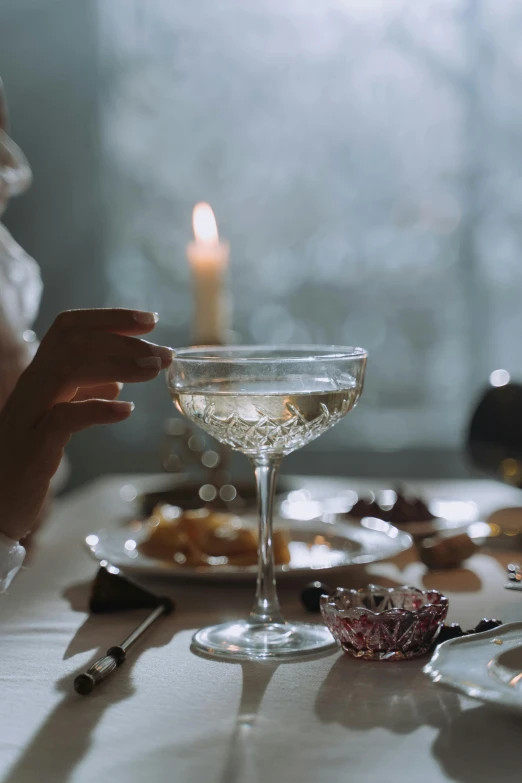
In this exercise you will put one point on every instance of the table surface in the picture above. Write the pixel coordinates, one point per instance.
(169, 715)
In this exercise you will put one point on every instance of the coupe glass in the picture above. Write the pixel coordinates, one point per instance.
(266, 402)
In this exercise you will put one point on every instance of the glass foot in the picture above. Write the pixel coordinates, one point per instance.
(242, 640)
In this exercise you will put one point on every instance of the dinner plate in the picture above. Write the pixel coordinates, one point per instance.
(485, 666)
(334, 502)
(442, 526)
(316, 547)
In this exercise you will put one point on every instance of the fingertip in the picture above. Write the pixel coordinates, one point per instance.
(122, 408)
(145, 318)
(152, 363)
(167, 358)
(162, 352)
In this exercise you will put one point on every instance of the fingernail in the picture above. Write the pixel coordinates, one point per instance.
(148, 319)
(119, 384)
(160, 350)
(150, 362)
(123, 407)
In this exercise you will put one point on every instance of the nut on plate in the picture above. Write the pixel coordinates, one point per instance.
(446, 551)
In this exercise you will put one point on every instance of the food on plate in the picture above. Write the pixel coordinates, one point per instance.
(204, 537)
(405, 509)
(446, 551)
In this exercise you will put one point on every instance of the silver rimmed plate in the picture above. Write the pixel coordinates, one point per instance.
(315, 547)
(485, 666)
(332, 500)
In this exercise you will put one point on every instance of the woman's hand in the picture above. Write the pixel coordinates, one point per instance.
(71, 384)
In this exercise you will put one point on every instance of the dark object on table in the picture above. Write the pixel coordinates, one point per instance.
(454, 631)
(311, 594)
(448, 632)
(486, 625)
(494, 440)
(446, 551)
(406, 508)
(113, 592)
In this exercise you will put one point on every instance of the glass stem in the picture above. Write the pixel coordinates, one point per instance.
(266, 607)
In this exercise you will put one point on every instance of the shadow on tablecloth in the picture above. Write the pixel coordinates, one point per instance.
(474, 745)
(480, 745)
(363, 695)
(454, 580)
(256, 679)
(65, 737)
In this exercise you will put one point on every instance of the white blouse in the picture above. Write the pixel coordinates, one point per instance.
(11, 558)
(20, 293)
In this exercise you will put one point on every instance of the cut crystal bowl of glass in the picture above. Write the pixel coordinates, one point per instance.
(384, 624)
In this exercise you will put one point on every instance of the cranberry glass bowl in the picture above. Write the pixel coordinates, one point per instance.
(381, 624)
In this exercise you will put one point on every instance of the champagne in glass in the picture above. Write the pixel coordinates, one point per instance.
(266, 402)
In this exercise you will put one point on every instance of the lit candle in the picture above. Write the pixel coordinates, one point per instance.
(208, 258)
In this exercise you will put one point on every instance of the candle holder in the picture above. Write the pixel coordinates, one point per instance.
(186, 450)
(202, 467)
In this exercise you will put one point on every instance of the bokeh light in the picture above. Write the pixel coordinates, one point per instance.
(499, 378)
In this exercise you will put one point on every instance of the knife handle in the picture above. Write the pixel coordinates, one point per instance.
(86, 682)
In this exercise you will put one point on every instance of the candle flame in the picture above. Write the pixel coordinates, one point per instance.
(204, 224)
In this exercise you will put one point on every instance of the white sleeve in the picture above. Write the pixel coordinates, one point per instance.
(12, 556)
(20, 291)
(20, 281)
(21, 284)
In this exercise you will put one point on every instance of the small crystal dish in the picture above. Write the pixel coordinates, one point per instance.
(384, 624)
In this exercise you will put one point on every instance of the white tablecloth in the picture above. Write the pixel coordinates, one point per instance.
(168, 715)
